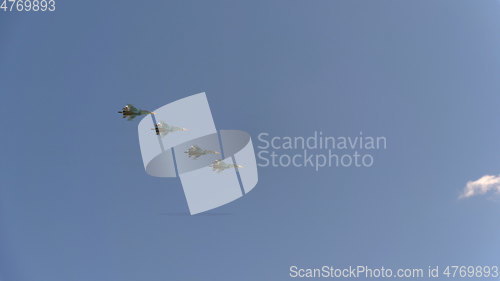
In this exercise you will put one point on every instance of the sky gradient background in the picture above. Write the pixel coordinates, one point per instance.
(76, 203)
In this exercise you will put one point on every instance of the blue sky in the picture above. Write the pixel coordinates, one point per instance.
(76, 204)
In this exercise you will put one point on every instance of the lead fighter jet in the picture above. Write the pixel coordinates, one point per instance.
(131, 112)
(162, 129)
(219, 166)
(195, 151)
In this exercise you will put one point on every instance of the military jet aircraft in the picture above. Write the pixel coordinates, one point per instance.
(195, 151)
(162, 129)
(131, 112)
(219, 166)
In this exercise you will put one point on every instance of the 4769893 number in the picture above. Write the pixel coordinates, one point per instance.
(28, 5)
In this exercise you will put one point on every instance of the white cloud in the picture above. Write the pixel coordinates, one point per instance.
(481, 186)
